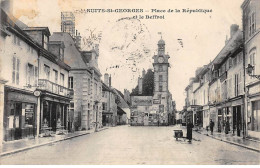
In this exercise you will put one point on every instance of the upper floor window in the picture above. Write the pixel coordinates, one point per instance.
(30, 74)
(160, 88)
(55, 76)
(252, 25)
(16, 70)
(160, 78)
(71, 82)
(160, 68)
(47, 72)
(61, 79)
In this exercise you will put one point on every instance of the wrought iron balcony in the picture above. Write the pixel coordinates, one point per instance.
(46, 85)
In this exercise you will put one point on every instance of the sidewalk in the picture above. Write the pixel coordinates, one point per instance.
(229, 138)
(16, 146)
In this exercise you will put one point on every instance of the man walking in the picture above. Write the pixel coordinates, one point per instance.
(211, 125)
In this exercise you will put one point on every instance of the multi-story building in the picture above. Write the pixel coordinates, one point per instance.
(191, 104)
(109, 106)
(19, 69)
(53, 80)
(161, 82)
(123, 110)
(84, 79)
(152, 105)
(36, 95)
(217, 91)
(95, 103)
(226, 87)
(251, 29)
(79, 74)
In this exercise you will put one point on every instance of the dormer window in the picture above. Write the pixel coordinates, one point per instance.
(62, 54)
(45, 42)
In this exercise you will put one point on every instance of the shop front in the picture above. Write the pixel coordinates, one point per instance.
(20, 114)
(54, 113)
(253, 111)
(254, 119)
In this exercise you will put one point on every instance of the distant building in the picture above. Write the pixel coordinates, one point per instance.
(109, 106)
(151, 101)
(68, 23)
(217, 90)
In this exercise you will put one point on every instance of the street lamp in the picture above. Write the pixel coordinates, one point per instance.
(249, 71)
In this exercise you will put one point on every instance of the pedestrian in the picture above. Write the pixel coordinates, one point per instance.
(158, 123)
(227, 127)
(211, 125)
(189, 130)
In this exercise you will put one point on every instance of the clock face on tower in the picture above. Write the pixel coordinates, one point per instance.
(160, 59)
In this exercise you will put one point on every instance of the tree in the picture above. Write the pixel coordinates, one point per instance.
(148, 85)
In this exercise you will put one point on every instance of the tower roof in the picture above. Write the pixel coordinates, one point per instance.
(161, 41)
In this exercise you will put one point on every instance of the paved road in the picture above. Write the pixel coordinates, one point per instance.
(136, 145)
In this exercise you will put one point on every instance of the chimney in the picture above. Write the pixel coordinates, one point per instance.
(233, 29)
(110, 81)
(140, 85)
(106, 79)
(78, 39)
(143, 73)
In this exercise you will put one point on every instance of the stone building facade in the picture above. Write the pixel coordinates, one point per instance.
(157, 107)
(251, 29)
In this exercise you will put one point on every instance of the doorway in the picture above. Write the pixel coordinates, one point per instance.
(237, 120)
(53, 116)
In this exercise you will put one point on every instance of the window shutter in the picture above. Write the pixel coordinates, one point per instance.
(17, 71)
(27, 75)
(13, 74)
(36, 76)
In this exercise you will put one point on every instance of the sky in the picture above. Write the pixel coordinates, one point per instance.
(127, 45)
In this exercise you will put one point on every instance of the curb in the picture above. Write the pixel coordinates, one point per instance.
(233, 143)
(43, 144)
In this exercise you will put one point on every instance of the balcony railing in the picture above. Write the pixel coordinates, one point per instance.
(51, 87)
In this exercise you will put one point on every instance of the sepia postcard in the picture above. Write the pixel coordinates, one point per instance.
(130, 82)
